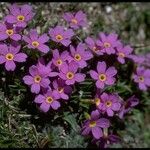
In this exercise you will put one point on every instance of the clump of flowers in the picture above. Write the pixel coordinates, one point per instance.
(60, 63)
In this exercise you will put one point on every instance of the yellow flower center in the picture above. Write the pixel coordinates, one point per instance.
(77, 57)
(9, 56)
(95, 49)
(92, 124)
(74, 21)
(35, 43)
(37, 79)
(9, 32)
(97, 101)
(59, 62)
(107, 45)
(108, 103)
(102, 77)
(49, 99)
(60, 89)
(141, 78)
(59, 37)
(20, 18)
(70, 75)
(121, 54)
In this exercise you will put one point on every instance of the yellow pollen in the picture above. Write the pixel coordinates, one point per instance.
(20, 18)
(97, 101)
(141, 78)
(49, 99)
(74, 21)
(108, 103)
(121, 54)
(60, 89)
(102, 77)
(107, 45)
(35, 43)
(59, 62)
(92, 124)
(59, 37)
(77, 57)
(9, 32)
(37, 79)
(70, 75)
(9, 56)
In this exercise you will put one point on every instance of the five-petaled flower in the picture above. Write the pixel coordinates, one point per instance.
(69, 73)
(103, 76)
(76, 20)
(91, 43)
(37, 42)
(61, 90)
(108, 42)
(80, 55)
(123, 52)
(94, 125)
(8, 31)
(10, 55)
(142, 77)
(19, 15)
(60, 35)
(47, 101)
(110, 103)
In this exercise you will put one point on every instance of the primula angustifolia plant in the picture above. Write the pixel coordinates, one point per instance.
(61, 64)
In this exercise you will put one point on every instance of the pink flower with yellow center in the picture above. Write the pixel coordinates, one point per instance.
(8, 31)
(60, 35)
(19, 15)
(123, 52)
(103, 76)
(80, 55)
(76, 20)
(108, 42)
(47, 101)
(60, 59)
(110, 103)
(94, 124)
(69, 73)
(142, 77)
(91, 43)
(10, 55)
(36, 41)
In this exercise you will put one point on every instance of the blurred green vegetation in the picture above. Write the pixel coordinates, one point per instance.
(22, 125)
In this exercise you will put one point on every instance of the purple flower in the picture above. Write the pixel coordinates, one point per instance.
(59, 59)
(61, 90)
(10, 55)
(91, 43)
(60, 35)
(80, 55)
(106, 140)
(19, 15)
(8, 31)
(123, 52)
(103, 76)
(37, 42)
(47, 101)
(76, 20)
(38, 77)
(138, 59)
(109, 103)
(108, 42)
(69, 73)
(94, 125)
(142, 77)
(128, 105)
